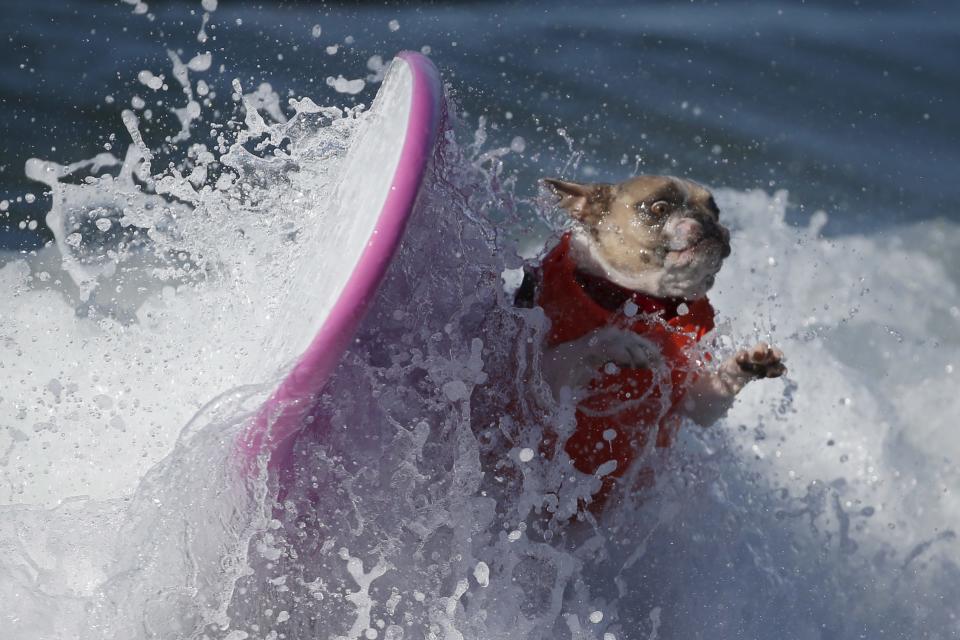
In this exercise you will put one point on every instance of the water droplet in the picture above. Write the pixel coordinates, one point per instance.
(482, 573)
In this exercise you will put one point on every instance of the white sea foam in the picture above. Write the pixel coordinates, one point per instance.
(130, 334)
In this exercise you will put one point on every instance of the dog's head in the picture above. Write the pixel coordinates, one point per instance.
(656, 234)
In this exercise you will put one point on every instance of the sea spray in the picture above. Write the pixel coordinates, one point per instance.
(156, 300)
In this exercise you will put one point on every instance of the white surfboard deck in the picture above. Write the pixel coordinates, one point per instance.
(382, 173)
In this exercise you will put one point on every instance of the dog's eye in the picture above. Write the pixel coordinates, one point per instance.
(660, 207)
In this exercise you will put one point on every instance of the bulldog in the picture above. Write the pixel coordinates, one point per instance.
(625, 291)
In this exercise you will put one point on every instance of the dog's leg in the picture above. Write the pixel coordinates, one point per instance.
(712, 395)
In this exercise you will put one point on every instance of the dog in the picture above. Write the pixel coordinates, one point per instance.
(625, 291)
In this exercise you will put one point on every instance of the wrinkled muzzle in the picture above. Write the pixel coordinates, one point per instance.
(688, 232)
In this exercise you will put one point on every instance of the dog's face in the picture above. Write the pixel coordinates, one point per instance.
(656, 234)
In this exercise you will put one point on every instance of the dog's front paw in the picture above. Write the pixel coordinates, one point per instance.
(714, 392)
(762, 361)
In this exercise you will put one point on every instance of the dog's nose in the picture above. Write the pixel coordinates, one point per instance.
(690, 231)
(724, 238)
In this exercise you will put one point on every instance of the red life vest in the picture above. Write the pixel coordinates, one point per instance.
(622, 409)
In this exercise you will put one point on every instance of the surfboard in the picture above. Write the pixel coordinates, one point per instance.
(375, 197)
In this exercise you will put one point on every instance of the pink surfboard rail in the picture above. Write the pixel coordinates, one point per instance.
(274, 428)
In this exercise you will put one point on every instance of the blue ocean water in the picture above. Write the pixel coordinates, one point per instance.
(851, 106)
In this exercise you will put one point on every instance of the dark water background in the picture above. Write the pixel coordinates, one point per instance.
(854, 107)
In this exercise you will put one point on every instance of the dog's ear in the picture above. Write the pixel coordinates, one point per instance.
(587, 203)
